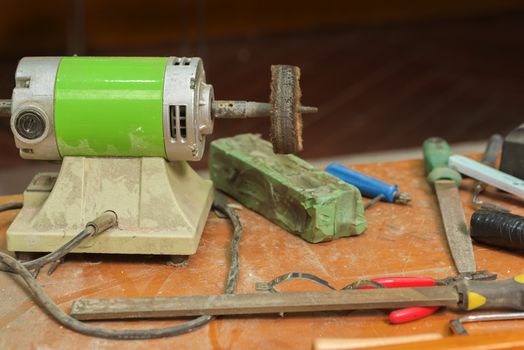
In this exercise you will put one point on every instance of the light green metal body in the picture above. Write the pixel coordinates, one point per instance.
(110, 106)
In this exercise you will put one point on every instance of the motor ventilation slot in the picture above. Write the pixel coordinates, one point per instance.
(182, 62)
(177, 122)
(182, 122)
(24, 82)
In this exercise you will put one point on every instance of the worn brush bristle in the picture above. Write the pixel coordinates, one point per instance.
(286, 119)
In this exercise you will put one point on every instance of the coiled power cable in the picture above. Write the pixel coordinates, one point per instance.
(11, 264)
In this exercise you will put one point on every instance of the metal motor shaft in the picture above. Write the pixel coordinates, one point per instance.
(133, 107)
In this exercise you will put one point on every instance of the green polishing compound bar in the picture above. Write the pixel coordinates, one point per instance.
(123, 127)
(287, 190)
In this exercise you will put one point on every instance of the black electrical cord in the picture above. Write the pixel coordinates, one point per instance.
(270, 286)
(64, 319)
(10, 206)
(99, 225)
(37, 264)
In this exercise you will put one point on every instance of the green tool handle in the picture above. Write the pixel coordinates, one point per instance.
(436, 156)
(506, 294)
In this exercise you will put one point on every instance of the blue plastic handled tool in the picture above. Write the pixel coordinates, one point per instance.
(368, 186)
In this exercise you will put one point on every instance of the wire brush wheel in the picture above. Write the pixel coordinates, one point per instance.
(286, 119)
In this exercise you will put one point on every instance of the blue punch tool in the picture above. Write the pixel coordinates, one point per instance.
(368, 186)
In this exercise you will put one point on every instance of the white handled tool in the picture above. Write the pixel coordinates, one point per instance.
(487, 174)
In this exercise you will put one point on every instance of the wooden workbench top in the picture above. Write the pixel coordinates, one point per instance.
(400, 241)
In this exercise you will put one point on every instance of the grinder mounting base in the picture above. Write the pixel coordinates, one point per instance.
(161, 206)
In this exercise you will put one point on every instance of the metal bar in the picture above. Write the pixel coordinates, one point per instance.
(240, 109)
(492, 150)
(373, 201)
(455, 226)
(489, 158)
(457, 325)
(248, 109)
(263, 303)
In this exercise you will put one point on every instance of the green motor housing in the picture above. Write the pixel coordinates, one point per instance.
(111, 107)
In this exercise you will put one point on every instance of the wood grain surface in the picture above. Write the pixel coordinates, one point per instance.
(400, 241)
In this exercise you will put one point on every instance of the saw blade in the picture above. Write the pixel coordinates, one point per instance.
(457, 233)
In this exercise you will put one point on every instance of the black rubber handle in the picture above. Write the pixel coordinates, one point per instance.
(497, 228)
(505, 294)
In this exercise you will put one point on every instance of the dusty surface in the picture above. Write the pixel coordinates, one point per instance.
(400, 241)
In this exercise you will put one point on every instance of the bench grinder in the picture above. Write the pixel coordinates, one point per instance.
(124, 129)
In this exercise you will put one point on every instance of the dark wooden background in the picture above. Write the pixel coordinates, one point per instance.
(384, 74)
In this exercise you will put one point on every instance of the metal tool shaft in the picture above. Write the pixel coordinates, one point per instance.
(263, 303)
(248, 109)
(458, 328)
(455, 226)
(446, 181)
(489, 158)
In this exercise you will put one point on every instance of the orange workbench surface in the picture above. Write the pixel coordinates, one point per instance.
(400, 241)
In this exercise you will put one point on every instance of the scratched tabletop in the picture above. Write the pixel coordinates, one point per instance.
(400, 241)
